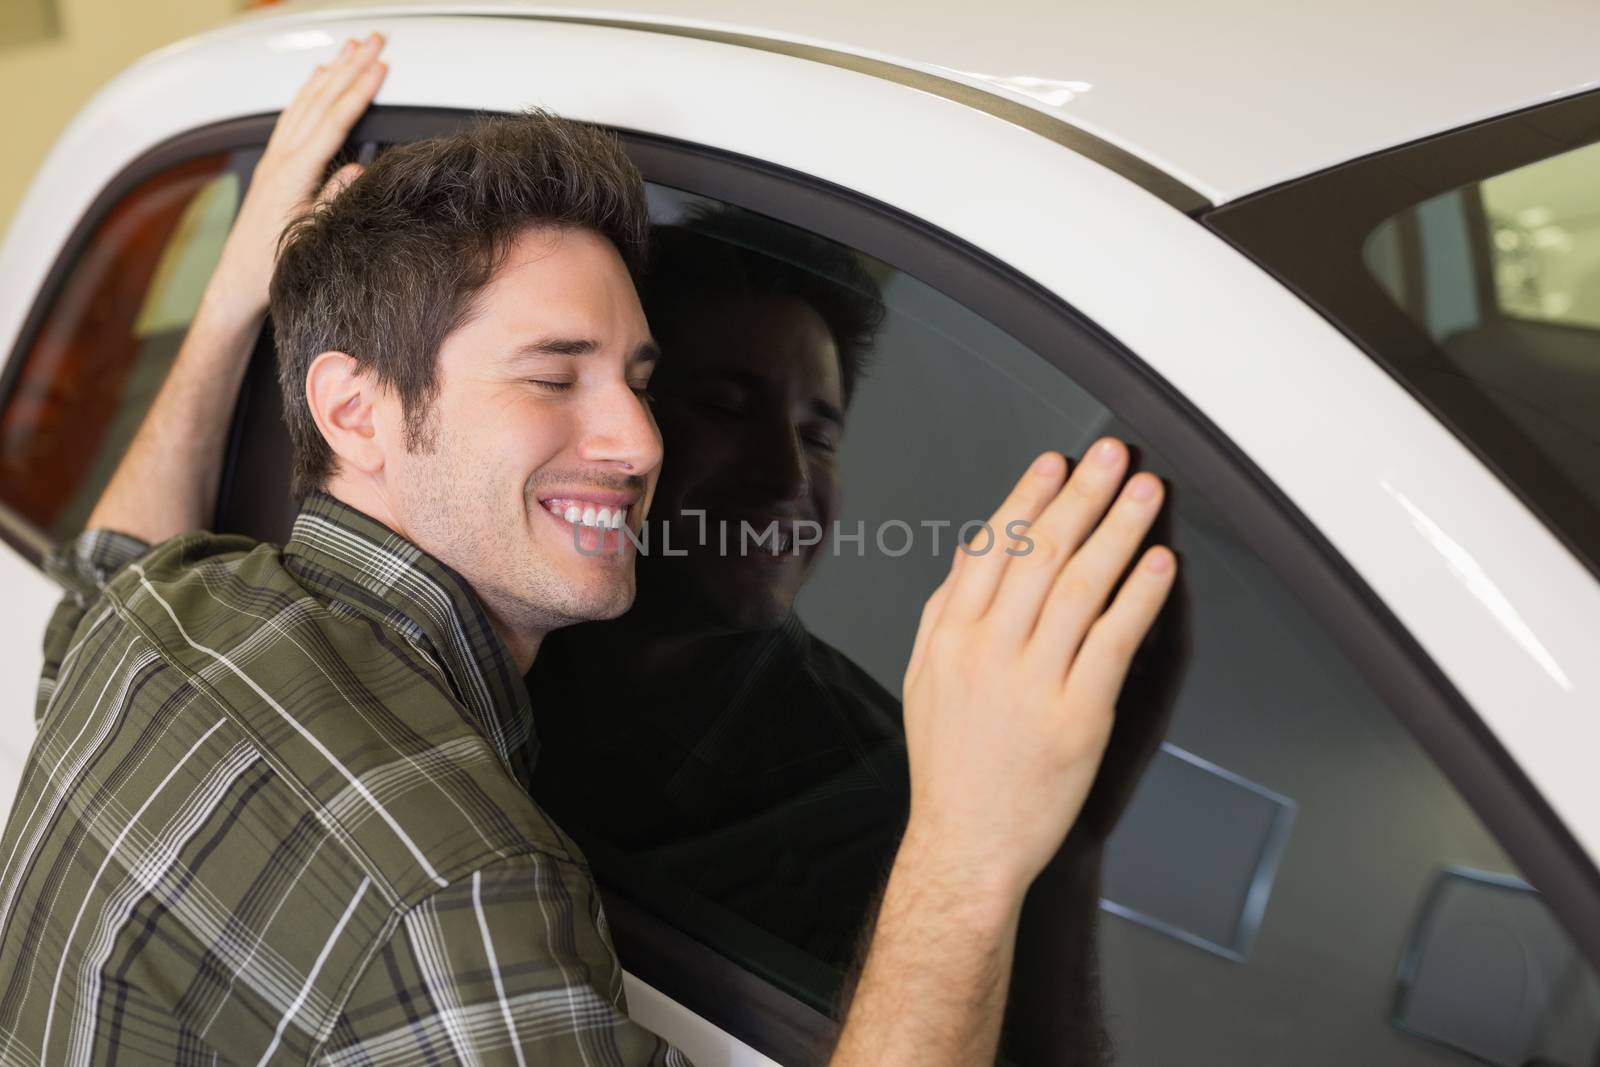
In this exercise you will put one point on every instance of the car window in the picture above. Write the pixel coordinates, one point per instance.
(1504, 276)
(1469, 266)
(1544, 239)
(92, 365)
(1270, 869)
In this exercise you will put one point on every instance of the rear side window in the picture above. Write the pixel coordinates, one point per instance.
(93, 363)
(1469, 266)
(1270, 869)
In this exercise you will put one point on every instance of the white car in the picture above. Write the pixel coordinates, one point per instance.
(1335, 273)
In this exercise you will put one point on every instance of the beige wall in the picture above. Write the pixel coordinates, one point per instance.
(44, 83)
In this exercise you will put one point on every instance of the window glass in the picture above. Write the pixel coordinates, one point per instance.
(1544, 239)
(1504, 278)
(1468, 265)
(1269, 870)
(110, 334)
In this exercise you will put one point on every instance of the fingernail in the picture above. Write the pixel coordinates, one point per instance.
(1049, 463)
(1159, 561)
(1106, 452)
(1142, 488)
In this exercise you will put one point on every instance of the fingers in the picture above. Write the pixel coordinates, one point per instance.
(311, 85)
(1098, 671)
(349, 79)
(973, 585)
(1057, 535)
(339, 91)
(1080, 590)
(357, 97)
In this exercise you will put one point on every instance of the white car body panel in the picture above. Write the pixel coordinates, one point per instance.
(703, 1043)
(30, 597)
(1503, 608)
(1228, 98)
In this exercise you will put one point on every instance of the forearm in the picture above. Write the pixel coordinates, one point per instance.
(166, 484)
(933, 989)
(167, 481)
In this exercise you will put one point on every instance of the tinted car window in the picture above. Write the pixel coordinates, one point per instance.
(111, 330)
(1269, 870)
(1504, 276)
(1469, 266)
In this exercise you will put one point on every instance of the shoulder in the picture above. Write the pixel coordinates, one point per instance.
(852, 685)
(360, 727)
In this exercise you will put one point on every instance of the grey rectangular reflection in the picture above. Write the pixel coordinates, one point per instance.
(1488, 971)
(1196, 853)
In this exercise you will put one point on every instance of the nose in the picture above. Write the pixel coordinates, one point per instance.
(777, 464)
(621, 432)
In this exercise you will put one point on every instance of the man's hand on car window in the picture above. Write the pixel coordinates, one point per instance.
(285, 184)
(1010, 691)
(1009, 699)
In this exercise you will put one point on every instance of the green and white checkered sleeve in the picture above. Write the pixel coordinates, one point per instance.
(82, 567)
(507, 965)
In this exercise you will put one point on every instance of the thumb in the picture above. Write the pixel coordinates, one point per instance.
(338, 183)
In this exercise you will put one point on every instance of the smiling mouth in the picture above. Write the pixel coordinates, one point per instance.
(595, 529)
(587, 513)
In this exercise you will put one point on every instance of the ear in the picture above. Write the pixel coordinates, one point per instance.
(343, 402)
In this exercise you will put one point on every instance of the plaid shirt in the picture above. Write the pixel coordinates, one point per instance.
(277, 811)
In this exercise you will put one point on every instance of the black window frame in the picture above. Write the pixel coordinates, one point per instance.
(1309, 232)
(753, 1009)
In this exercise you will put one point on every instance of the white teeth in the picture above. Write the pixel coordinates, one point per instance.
(589, 515)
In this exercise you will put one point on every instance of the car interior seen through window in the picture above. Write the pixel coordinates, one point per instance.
(1504, 278)
(1468, 266)
(1270, 868)
(108, 337)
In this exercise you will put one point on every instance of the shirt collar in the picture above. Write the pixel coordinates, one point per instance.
(350, 557)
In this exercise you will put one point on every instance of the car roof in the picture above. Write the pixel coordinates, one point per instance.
(1228, 97)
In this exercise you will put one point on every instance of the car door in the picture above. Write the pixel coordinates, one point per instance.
(1275, 866)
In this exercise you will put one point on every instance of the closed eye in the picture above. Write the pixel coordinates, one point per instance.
(822, 441)
(549, 386)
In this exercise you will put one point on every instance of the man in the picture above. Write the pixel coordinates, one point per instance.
(276, 809)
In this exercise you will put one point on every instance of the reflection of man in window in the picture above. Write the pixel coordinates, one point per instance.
(765, 767)
(771, 329)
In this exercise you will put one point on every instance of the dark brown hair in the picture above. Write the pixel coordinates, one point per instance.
(726, 253)
(389, 268)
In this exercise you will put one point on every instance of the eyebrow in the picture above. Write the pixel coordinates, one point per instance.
(644, 352)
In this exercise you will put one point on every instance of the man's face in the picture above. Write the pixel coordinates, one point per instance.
(751, 407)
(538, 436)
